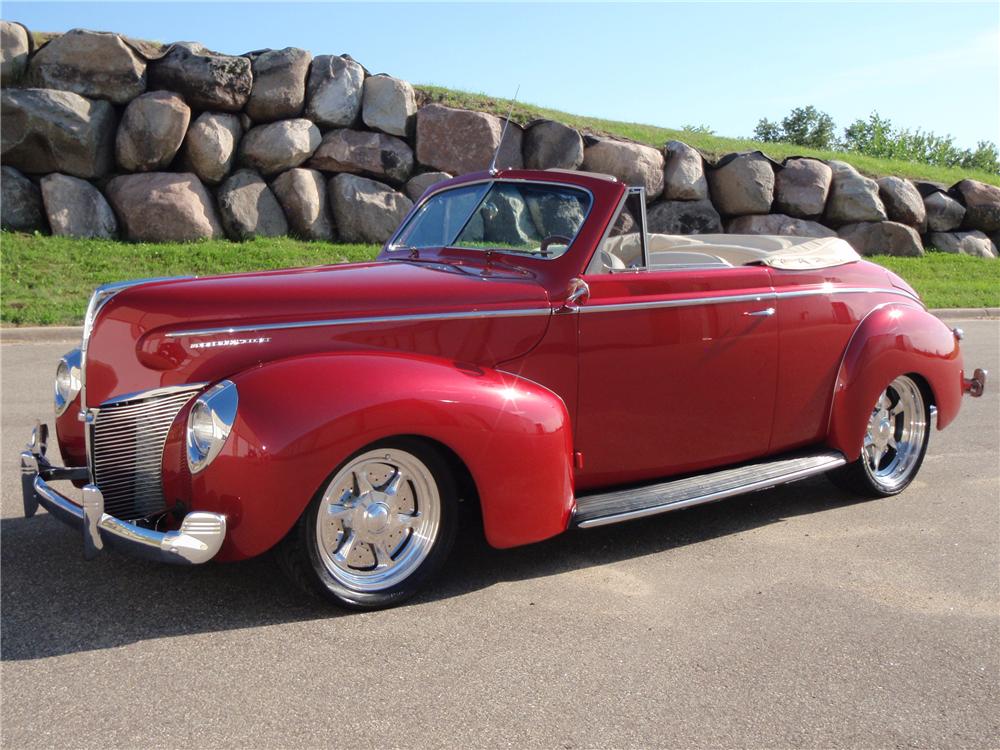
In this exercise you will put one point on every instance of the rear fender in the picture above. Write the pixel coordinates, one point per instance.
(300, 418)
(893, 340)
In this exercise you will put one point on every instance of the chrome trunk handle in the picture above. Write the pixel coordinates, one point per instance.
(765, 313)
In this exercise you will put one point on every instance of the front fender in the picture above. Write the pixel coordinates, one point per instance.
(300, 418)
(893, 340)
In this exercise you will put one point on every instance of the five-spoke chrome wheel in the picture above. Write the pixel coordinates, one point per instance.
(894, 444)
(378, 519)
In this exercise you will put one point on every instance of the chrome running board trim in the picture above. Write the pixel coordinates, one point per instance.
(638, 502)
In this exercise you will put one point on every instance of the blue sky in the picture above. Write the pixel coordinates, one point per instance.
(924, 65)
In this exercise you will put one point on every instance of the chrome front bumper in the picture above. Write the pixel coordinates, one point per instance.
(197, 541)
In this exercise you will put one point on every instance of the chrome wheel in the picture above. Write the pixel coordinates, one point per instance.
(896, 435)
(378, 519)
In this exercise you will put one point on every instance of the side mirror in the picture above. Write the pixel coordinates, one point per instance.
(578, 292)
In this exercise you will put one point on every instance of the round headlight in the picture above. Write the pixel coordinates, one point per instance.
(64, 381)
(202, 428)
(209, 422)
(68, 381)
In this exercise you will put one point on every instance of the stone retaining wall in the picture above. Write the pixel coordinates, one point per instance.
(103, 136)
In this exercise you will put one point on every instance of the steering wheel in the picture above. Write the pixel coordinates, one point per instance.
(554, 239)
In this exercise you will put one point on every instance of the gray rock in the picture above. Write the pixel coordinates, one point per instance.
(333, 93)
(95, 64)
(245, 122)
(902, 201)
(361, 152)
(683, 217)
(853, 197)
(45, 131)
(279, 84)
(982, 205)
(164, 207)
(632, 163)
(551, 145)
(210, 146)
(249, 209)
(205, 79)
(554, 215)
(684, 176)
(416, 186)
(389, 105)
(302, 195)
(742, 184)
(777, 224)
(459, 141)
(15, 46)
(507, 221)
(21, 208)
(279, 145)
(365, 210)
(944, 213)
(882, 238)
(967, 243)
(801, 187)
(151, 131)
(75, 208)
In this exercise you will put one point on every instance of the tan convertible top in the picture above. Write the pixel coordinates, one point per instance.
(772, 250)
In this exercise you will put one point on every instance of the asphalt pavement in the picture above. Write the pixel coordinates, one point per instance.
(794, 617)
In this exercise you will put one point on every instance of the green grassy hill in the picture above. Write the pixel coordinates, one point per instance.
(710, 145)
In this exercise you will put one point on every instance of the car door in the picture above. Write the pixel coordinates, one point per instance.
(677, 371)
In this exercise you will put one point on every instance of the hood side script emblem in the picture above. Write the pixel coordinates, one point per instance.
(229, 342)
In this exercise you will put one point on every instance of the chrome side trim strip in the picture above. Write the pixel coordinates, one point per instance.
(360, 321)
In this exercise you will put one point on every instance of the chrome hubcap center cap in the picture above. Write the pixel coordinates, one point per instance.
(375, 518)
(884, 429)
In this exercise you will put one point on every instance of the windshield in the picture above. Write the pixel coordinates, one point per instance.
(518, 217)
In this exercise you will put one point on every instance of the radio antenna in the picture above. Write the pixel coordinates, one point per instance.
(493, 164)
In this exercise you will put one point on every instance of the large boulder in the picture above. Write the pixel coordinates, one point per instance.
(801, 187)
(742, 184)
(853, 197)
(302, 194)
(279, 145)
(362, 152)
(249, 209)
(75, 208)
(279, 84)
(333, 93)
(632, 163)
(902, 201)
(416, 186)
(982, 205)
(554, 215)
(551, 145)
(365, 210)
(21, 208)
(882, 238)
(164, 207)
(684, 176)
(779, 224)
(45, 131)
(459, 141)
(683, 217)
(388, 104)
(944, 213)
(210, 146)
(205, 79)
(15, 46)
(967, 243)
(95, 64)
(151, 131)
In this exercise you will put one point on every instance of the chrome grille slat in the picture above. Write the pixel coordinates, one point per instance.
(127, 443)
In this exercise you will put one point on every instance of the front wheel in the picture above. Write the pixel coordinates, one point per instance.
(894, 445)
(378, 530)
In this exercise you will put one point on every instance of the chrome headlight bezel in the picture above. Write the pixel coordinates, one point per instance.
(67, 382)
(209, 423)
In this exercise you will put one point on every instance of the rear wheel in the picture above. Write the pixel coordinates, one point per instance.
(894, 445)
(378, 530)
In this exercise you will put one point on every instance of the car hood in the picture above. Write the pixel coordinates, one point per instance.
(172, 332)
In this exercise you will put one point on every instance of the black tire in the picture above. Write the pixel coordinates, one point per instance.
(861, 477)
(303, 561)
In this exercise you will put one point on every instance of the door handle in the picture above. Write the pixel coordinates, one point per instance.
(765, 313)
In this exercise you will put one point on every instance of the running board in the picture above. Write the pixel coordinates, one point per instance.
(638, 502)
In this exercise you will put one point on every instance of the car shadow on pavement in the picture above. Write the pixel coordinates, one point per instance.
(54, 602)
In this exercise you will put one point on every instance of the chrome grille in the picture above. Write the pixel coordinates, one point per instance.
(127, 451)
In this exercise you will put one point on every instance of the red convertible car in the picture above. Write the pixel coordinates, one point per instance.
(522, 345)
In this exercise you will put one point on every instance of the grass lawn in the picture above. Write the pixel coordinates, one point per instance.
(712, 145)
(48, 280)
